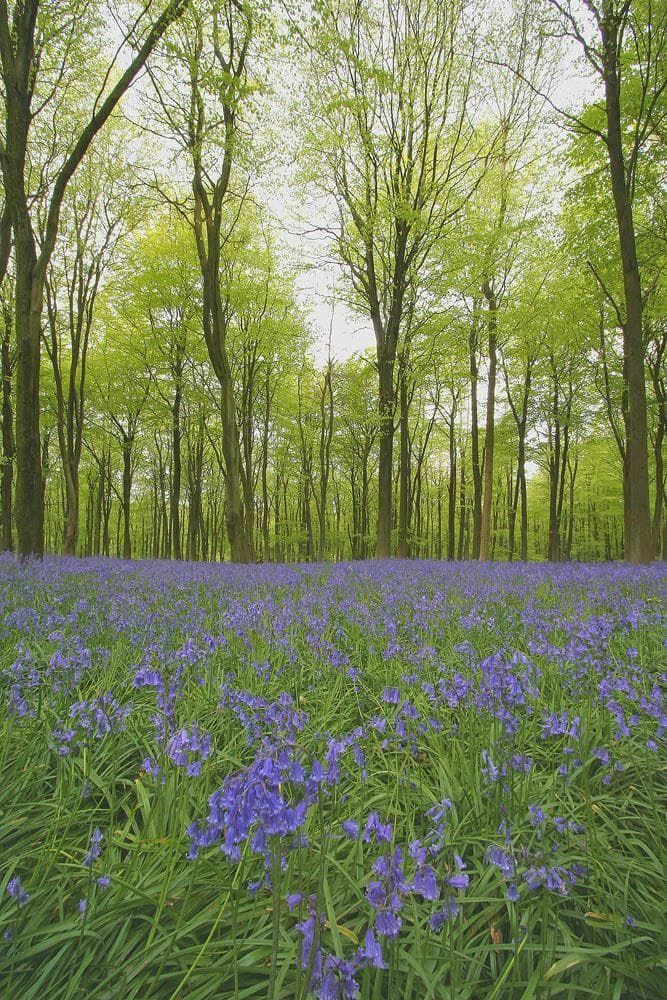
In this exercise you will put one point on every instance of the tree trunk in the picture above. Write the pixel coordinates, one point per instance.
(127, 494)
(385, 457)
(29, 511)
(7, 456)
(404, 475)
(462, 508)
(554, 477)
(176, 471)
(266, 538)
(638, 544)
(71, 532)
(485, 531)
(474, 436)
(451, 487)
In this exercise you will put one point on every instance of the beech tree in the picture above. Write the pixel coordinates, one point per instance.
(93, 220)
(210, 58)
(183, 403)
(624, 42)
(39, 45)
(391, 92)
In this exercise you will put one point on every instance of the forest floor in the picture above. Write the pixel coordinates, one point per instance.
(375, 780)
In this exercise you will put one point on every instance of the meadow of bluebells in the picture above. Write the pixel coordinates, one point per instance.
(362, 780)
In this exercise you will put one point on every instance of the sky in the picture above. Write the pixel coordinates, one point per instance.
(321, 281)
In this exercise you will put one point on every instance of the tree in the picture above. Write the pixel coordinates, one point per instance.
(37, 45)
(7, 362)
(210, 57)
(93, 221)
(624, 43)
(159, 297)
(391, 84)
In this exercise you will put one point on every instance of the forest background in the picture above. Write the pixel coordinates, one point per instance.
(327, 280)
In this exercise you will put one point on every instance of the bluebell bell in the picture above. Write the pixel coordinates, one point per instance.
(17, 892)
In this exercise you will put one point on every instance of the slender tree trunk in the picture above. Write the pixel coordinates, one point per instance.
(451, 487)
(326, 436)
(385, 457)
(240, 545)
(474, 435)
(72, 505)
(554, 475)
(404, 474)
(572, 469)
(462, 508)
(266, 537)
(485, 532)
(127, 495)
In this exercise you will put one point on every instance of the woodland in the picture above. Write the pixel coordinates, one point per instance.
(333, 340)
(332, 279)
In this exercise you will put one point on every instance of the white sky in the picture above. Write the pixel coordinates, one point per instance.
(322, 281)
(319, 278)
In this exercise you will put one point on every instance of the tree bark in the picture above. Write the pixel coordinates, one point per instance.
(385, 456)
(403, 550)
(127, 495)
(7, 456)
(485, 531)
(638, 543)
(451, 484)
(474, 434)
(176, 463)
(20, 55)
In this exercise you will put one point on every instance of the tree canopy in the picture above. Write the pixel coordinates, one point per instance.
(485, 183)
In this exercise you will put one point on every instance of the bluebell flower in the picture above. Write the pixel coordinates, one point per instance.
(350, 828)
(17, 892)
(425, 883)
(371, 952)
(375, 827)
(95, 848)
(449, 911)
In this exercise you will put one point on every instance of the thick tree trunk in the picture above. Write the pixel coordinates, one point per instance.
(215, 335)
(572, 469)
(7, 456)
(29, 510)
(638, 542)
